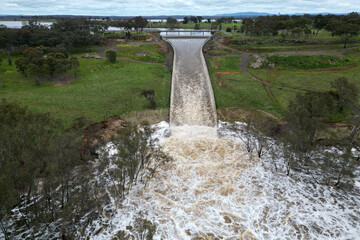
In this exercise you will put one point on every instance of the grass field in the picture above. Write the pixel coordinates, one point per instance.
(237, 90)
(101, 90)
(143, 52)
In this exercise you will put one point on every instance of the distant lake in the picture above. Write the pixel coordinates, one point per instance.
(19, 24)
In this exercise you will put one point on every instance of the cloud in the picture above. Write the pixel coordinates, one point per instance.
(173, 7)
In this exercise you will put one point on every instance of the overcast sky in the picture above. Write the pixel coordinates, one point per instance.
(173, 7)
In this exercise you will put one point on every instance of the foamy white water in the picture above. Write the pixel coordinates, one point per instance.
(192, 99)
(213, 189)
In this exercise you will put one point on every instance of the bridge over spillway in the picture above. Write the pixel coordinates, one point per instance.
(192, 97)
(186, 33)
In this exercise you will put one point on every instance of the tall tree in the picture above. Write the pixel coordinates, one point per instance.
(193, 19)
(305, 117)
(139, 23)
(346, 31)
(348, 92)
(319, 23)
(214, 25)
(57, 63)
(171, 22)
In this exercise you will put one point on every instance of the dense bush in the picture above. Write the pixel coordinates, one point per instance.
(37, 158)
(111, 55)
(42, 61)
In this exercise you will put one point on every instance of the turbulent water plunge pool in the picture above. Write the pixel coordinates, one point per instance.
(214, 190)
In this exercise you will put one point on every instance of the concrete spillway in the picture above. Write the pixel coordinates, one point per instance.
(192, 98)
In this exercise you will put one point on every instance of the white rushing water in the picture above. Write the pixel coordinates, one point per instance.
(192, 100)
(214, 190)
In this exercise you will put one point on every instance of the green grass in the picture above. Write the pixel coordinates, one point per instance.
(226, 64)
(314, 80)
(285, 84)
(101, 90)
(134, 51)
(238, 90)
(305, 62)
(295, 74)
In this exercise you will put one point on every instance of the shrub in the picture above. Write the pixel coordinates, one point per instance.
(228, 29)
(111, 55)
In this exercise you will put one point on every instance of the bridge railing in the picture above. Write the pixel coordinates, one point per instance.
(191, 33)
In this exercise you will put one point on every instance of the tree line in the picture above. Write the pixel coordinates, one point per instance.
(345, 26)
(137, 23)
(72, 33)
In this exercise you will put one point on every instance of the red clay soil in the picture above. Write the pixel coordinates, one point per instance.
(220, 79)
(101, 132)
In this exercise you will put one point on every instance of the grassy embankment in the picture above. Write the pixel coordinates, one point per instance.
(294, 73)
(101, 90)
